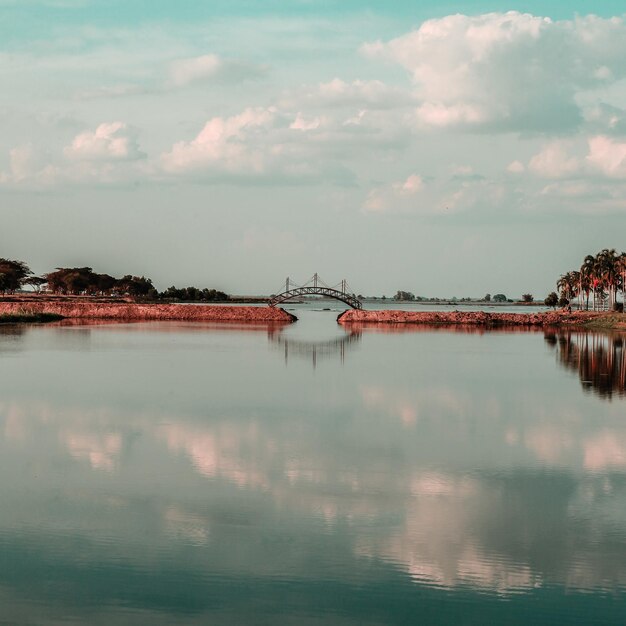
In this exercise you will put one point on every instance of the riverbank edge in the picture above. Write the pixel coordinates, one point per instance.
(29, 318)
(579, 319)
(135, 312)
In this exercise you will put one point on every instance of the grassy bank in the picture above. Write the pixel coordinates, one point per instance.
(606, 321)
(579, 319)
(29, 318)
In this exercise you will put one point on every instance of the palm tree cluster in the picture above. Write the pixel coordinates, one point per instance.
(599, 280)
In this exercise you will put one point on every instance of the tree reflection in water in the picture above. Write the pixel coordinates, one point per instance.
(599, 359)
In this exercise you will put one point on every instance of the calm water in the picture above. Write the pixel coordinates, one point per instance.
(168, 473)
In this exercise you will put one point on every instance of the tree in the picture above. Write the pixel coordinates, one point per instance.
(487, 297)
(12, 274)
(527, 297)
(404, 296)
(136, 286)
(193, 294)
(499, 297)
(552, 300)
(72, 280)
(36, 282)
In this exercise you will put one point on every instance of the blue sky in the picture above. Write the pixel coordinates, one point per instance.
(449, 148)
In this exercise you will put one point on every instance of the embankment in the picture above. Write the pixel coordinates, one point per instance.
(588, 319)
(132, 312)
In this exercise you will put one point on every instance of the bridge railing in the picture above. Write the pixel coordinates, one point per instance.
(348, 298)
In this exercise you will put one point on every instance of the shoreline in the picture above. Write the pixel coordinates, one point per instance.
(23, 317)
(136, 312)
(592, 320)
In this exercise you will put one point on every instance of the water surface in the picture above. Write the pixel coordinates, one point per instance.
(172, 473)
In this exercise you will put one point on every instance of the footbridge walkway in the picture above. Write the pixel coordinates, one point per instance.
(315, 286)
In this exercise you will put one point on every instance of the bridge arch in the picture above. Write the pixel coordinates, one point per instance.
(348, 298)
(315, 286)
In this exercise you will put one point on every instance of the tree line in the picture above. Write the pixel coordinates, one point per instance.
(83, 281)
(597, 282)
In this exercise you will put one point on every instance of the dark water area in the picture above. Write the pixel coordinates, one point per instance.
(172, 473)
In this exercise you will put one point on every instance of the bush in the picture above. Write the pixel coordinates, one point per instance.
(552, 300)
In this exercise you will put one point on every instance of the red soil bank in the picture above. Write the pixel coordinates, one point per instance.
(477, 318)
(139, 312)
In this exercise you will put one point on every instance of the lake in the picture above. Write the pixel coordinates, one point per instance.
(172, 473)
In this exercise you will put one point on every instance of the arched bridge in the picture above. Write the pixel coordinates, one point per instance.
(316, 287)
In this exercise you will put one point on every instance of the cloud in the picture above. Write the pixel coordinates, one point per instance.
(397, 197)
(605, 118)
(508, 71)
(371, 94)
(553, 161)
(108, 155)
(516, 167)
(263, 145)
(212, 67)
(302, 123)
(225, 144)
(607, 156)
(113, 141)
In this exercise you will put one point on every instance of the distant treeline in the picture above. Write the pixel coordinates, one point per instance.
(14, 275)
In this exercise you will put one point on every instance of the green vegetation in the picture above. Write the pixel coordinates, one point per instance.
(600, 278)
(193, 294)
(83, 281)
(404, 296)
(13, 274)
(527, 297)
(499, 297)
(552, 300)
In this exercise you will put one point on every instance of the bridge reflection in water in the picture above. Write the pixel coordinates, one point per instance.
(599, 359)
(315, 350)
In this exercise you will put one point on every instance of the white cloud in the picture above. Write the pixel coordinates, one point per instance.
(225, 144)
(516, 167)
(113, 141)
(554, 161)
(507, 70)
(607, 156)
(210, 66)
(27, 165)
(302, 123)
(411, 185)
(371, 94)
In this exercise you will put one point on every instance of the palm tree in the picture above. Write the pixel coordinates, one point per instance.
(621, 269)
(587, 275)
(569, 285)
(606, 268)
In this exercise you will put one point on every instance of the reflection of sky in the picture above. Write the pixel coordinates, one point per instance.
(438, 460)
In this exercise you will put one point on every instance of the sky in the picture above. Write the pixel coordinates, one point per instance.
(444, 148)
